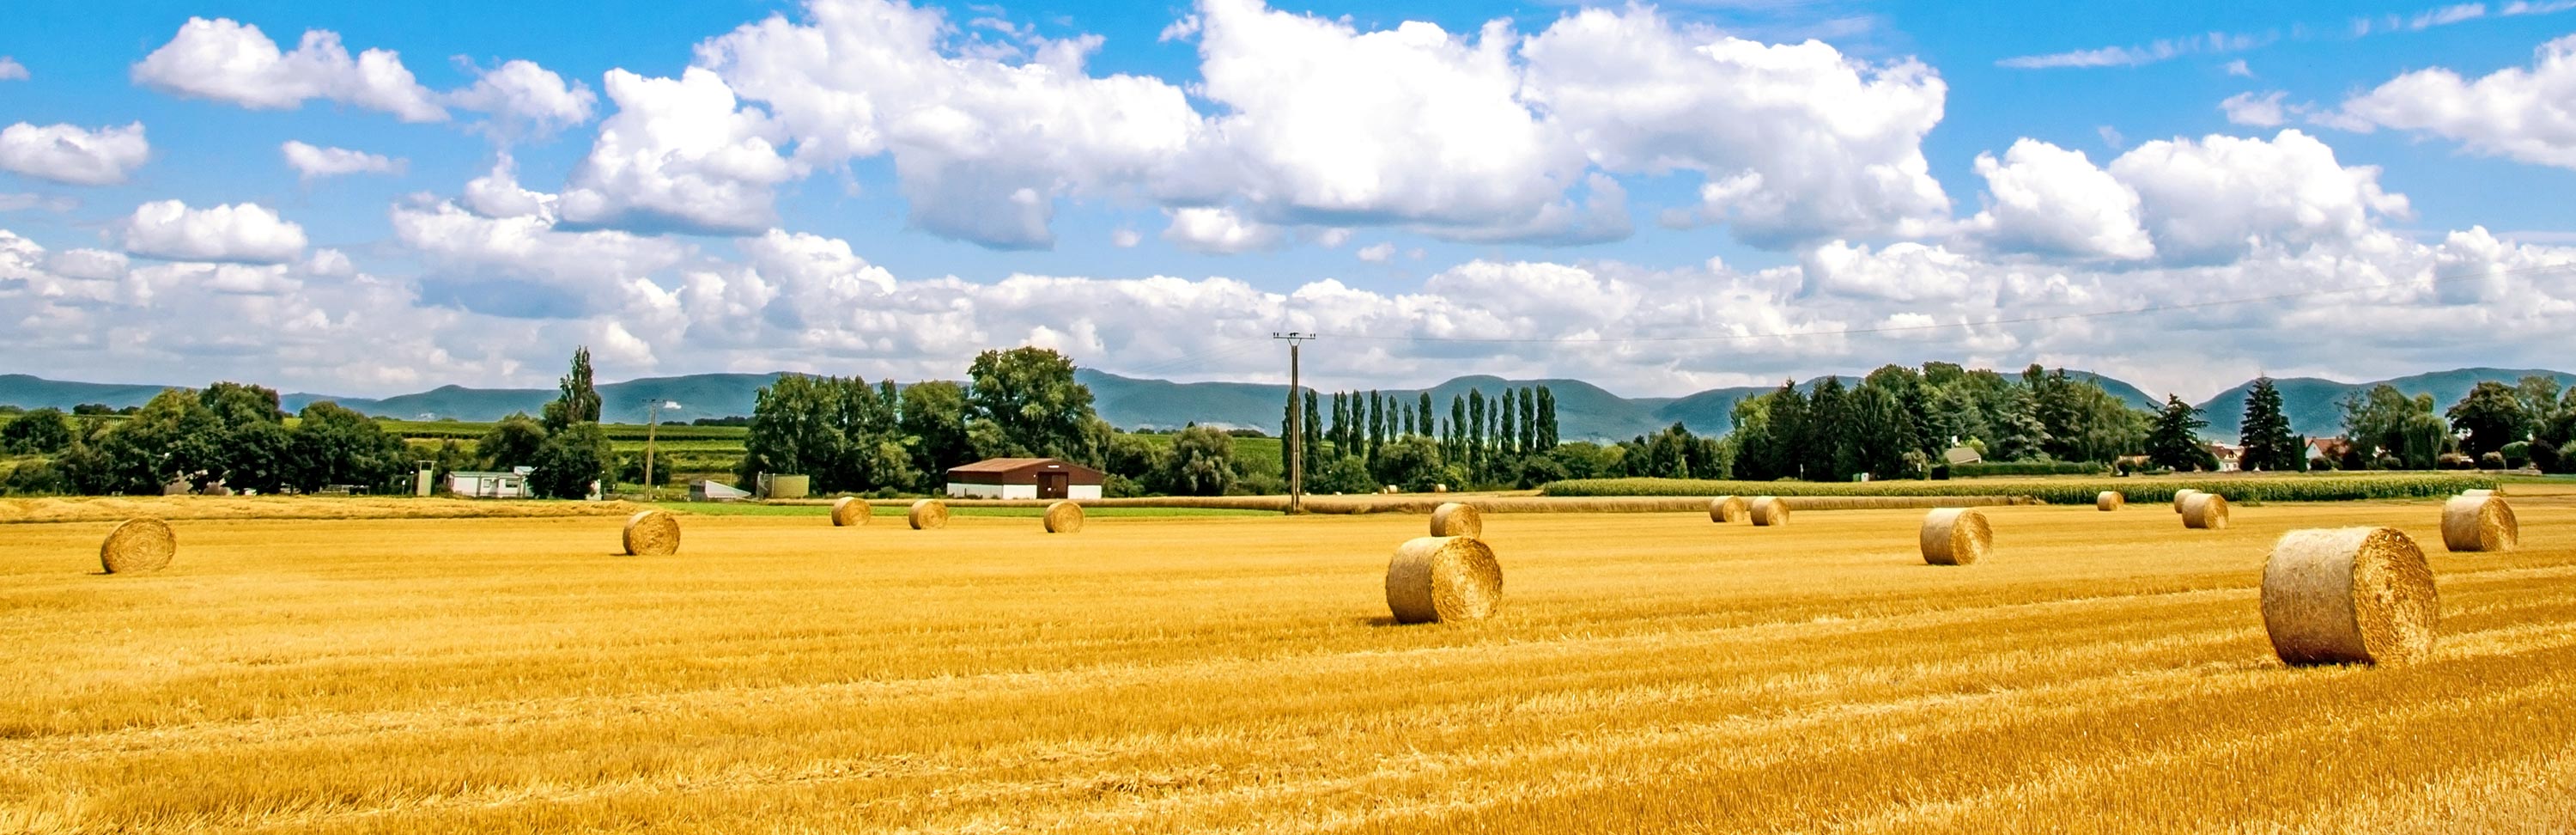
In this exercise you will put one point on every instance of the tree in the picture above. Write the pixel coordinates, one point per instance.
(795, 431)
(38, 432)
(570, 461)
(2491, 416)
(578, 401)
(1828, 420)
(1412, 463)
(1201, 463)
(933, 421)
(1547, 430)
(2267, 440)
(1790, 429)
(335, 445)
(511, 442)
(2174, 442)
(2539, 394)
(1030, 398)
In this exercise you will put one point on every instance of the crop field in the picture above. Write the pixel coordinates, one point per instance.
(2100, 672)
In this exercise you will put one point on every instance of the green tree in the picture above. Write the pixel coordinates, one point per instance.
(1412, 463)
(2268, 443)
(1822, 454)
(570, 460)
(335, 445)
(2376, 420)
(1791, 430)
(37, 432)
(1548, 437)
(2490, 416)
(2539, 394)
(934, 418)
(512, 441)
(2174, 442)
(1030, 399)
(577, 400)
(795, 431)
(1201, 463)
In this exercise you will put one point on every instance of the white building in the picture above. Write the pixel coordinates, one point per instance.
(490, 485)
(1023, 478)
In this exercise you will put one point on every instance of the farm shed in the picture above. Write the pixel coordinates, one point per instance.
(1023, 478)
(489, 485)
(703, 490)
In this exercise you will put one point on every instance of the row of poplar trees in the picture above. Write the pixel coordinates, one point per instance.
(1370, 438)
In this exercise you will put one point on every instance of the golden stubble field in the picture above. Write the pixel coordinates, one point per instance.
(2103, 672)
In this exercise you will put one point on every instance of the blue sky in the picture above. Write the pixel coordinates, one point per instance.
(1847, 184)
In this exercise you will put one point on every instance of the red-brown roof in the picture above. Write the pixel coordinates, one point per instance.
(999, 465)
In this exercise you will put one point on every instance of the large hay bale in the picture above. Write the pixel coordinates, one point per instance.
(1063, 517)
(2109, 500)
(2347, 596)
(927, 514)
(138, 545)
(1727, 510)
(851, 512)
(1457, 519)
(2182, 495)
(1956, 536)
(2479, 493)
(2479, 523)
(2205, 511)
(652, 533)
(1769, 511)
(1443, 578)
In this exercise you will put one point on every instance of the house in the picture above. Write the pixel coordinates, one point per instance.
(2230, 456)
(490, 485)
(1023, 478)
(2327, 450)
(1958, 455)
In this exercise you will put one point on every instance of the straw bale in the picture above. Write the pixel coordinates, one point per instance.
(2182, 494)
(2205, 511)
(1064, 517)
(1727, 510)
(652, 533)
(2479, 523)
(851, 511)
(1443, 578)
(1956, 536)
(138, 545)
(2109, 500)
(1770, 511)
(927, 514)
(2349, 596)
(1457, 519)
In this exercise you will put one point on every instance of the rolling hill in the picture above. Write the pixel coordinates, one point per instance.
(2315, 406)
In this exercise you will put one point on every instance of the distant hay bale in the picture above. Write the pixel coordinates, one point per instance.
(1443, 578)
(2479, 523)
(1457, 519)
(2206, 511)
(2109, 500)
(851, 512)
(2181, 495)
(1770, 511)
(927, 514)
(1439, 488)
(1061, 517)
(2349, 596)
(1728, 510)
(652, 533)
(138, 545)
(1956, 536)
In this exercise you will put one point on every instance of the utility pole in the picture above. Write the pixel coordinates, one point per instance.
(1296, 425)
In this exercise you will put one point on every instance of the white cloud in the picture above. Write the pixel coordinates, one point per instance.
(2131, 56)
(227, 61)
(22, 201)
(1794, 142)
(2044, 198)
(2526, 114)
(2262, 111)
(2238, 69)
(1377, 253)
(524, 99)
(1218, 231)
(679, 155)
(2420, 21)
(69, 154)
(2220, 197)
(244, 233)
(1124, 238)
(498, 194)
(313, 162)
(11, 70)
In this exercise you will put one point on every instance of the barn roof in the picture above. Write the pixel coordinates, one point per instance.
(998, 465)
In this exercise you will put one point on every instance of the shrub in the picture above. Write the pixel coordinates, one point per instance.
(2491, 461)
(2454, 461)
(2292, 488)
(2517, 454)
(2026, 468)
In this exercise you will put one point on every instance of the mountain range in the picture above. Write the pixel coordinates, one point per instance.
(1583, 409)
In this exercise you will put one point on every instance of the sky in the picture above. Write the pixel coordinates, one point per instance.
(371, 199)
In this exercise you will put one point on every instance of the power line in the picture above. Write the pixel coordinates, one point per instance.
(2023, 320)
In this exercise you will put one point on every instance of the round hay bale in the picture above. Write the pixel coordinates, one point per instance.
(2182, 494)
(2109, 500)
(927, 514)
(1062, 517)
(851, 512)
(1727, 510)
(2205, 511)
(2480, 493)
(652, 533)
(2479, 523)
(2349, 596)
(1769, 511)
(1956, 536)
(138, 545)
(1457, 519)
(1439, 488)
(1443, 578)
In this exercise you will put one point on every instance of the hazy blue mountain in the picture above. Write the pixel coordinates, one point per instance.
(36, 392)
(2315, 407)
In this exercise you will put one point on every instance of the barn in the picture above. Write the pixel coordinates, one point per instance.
(1023, 478)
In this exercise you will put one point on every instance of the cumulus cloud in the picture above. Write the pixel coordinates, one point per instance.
(22, 201)
(2263, 111)
(1377, 253)
(1218, 231)
(524, 99)
(70, 154)
(242, 233)
(11, 70)
(679, 155)
(2043, 198)
(313, 162)
(228, 61)
(2522, 113)
(2220, 197)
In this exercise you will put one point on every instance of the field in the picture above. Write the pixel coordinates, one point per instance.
(2103, 672)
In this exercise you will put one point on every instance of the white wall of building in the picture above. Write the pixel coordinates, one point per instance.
(1017, 491)
(1082, 491)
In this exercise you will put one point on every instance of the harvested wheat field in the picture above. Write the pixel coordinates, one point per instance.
(1651, 672)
